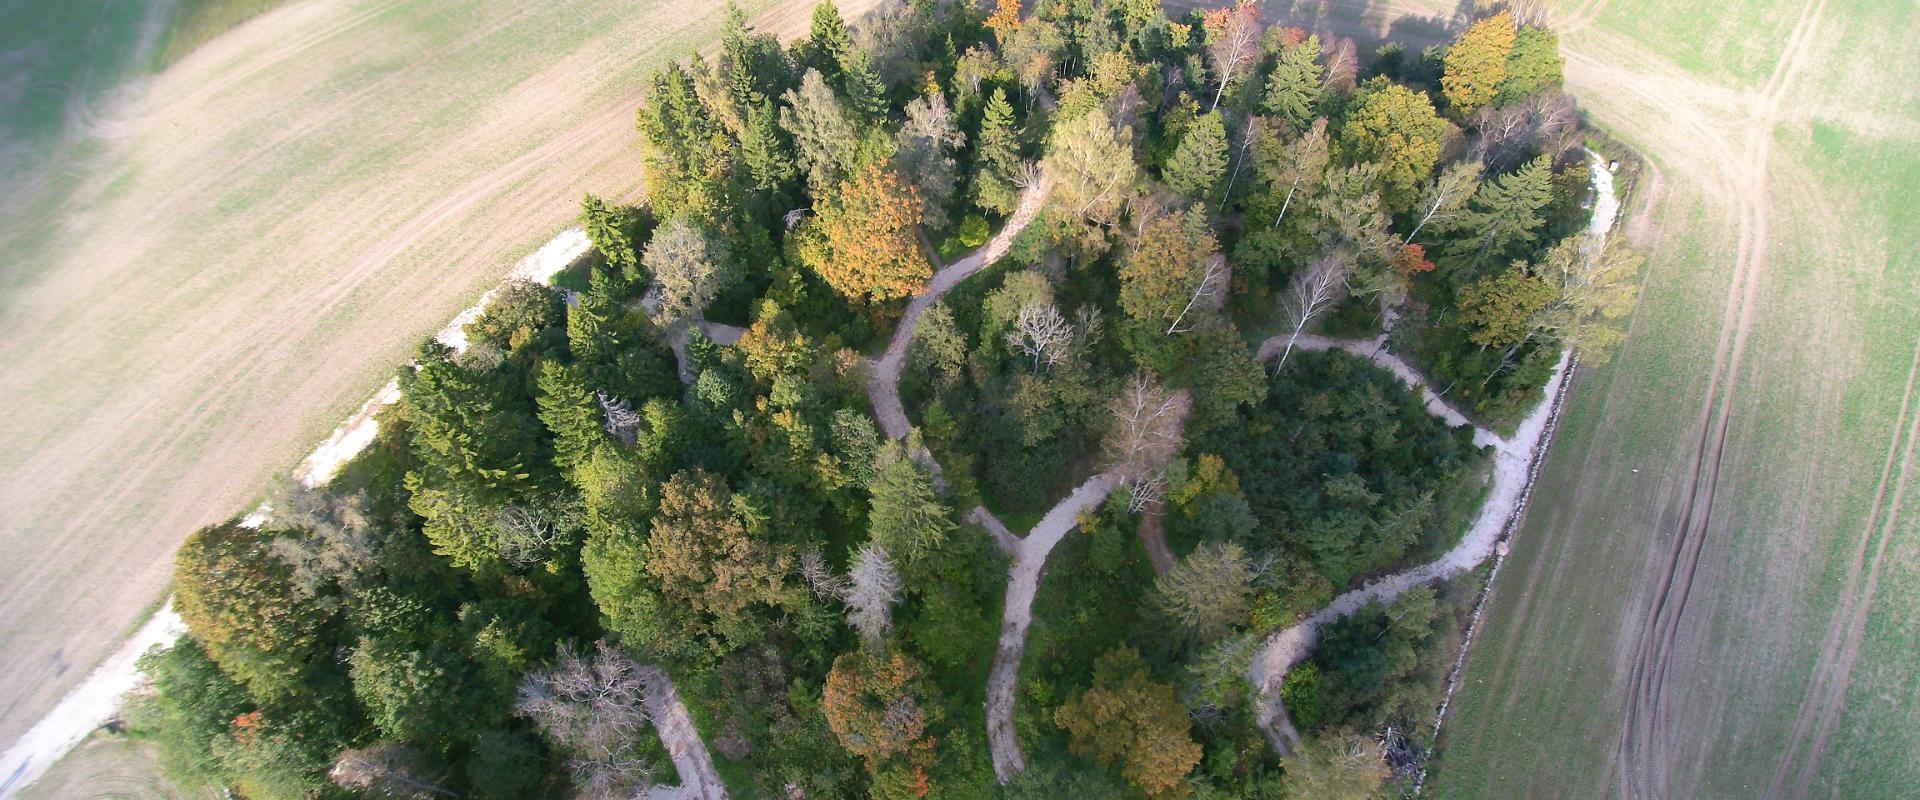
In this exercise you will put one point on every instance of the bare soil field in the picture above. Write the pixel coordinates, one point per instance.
(244, 246)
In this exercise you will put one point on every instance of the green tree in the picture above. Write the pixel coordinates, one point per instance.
(923, 154)
(417, 695)
(1091, 163)
(1476, 64)
(1130, 719)
(236, 595)
(997, 157)
(767, 153)
(907, 516)
(571, 414)
(1593, 294)
(686, 148)
(826, 140)
(1533, 66)
(1503, 214)
(1210, 591)
(706, 560)
(607, 229)
(1293, 89)
(1500, 309)
(1397, 128)
(1200, 161)
(828, 45)
(1336, 766)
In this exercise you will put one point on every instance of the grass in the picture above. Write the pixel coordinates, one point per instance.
(195, 22)
(1835, 312)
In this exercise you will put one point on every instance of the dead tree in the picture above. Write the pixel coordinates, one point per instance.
(386, 770)
(526, 535)
(1310, 294)
(873, 587)
(594, 709)
(1145, 434)
(1042, 333)
(620, 420)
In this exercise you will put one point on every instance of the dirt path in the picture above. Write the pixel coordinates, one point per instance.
(698, 779)
(1153, 537)
(883, 388)
(1375, 350)
(1023, 580)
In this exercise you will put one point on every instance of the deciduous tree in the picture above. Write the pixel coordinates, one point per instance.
(239, 600)
(1092, 167)
(1476, 64)
(1501, 309)
(1233, 42)
(924, 154)
(1397, 128)
(1130, 719)
(863, 242)
(690, 265)
(593, 708)
(826, 140)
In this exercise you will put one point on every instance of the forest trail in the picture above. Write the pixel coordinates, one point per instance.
(698, 778)
(883, 389)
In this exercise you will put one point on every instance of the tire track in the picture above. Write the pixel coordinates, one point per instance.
(1840, 647)
(1646, 742)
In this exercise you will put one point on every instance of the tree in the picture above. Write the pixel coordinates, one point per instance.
(1503, 213)
(767, 154)
(1476, 65)
(606, 229)
(1534, 65)
(923, 153)
(1171, 272)
(1146, 428)
(334, 541)
(690, 265)
(239, 600)
(873, 587)
(686, 148)
(827, 142)
(1200, 160)
(704, 557)
(594, 710)
(413, 694)
(1092, 167)
(1297, 166)
(1128, 718)
(1353, 226)
(1335, 766)
(1594, 291)
(863, 243)
(1233, 42)
(1210, 591)
(385, 769)
(907, 517)
(1397, 128)
(1501, 309)
(828, 44)
(1312, 292)
(866, 92)
(881, 705)
(1293, 89)
(571, 413)
(996, 182)
(1446, 197)
(1043, 334)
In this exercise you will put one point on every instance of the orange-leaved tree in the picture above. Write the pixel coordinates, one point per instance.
(863, 243)
(1476, 64)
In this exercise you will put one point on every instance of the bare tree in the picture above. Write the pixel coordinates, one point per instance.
(1233, 42)
(1041, 333)
(1447, 195)
(1146, 429)
(594, 708)
(1148, 492)
(1210, 292)
(873, 587)
(386, 770)
(333, 536)
(620, 420)
(1313, 291)
(1343, 66)
(526, 535)
(826, 584)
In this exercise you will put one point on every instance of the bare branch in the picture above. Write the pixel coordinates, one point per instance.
(1311, 293)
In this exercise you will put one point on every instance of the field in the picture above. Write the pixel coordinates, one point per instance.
(1715, 592)
(208, 268)
(106, 765)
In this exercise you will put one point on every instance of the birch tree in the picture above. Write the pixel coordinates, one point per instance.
(1233, 42)
(1295, 168)
(1311, 293)
(387, 770)
(1446, 196)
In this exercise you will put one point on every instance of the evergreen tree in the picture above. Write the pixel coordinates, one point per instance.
(997, 157)
(908, 518)
(768, 155)
(1504, 213)
(571, 413)
(1200, 161)
(1293, 89)
(866, 92)
(829, 44)
(606, 229)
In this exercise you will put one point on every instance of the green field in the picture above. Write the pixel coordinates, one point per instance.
(1790, 670)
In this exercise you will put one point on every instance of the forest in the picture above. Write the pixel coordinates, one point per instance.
(913, 432)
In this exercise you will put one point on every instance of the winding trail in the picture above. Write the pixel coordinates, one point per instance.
(698, 779)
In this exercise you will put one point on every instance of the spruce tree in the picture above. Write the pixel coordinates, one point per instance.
(1504, 213)
(1200, 160)
(998, 156)
(1293, 90)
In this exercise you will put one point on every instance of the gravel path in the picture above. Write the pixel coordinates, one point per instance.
(698, 779)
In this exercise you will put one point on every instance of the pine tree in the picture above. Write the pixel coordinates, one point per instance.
(767, 155)
(1503, 213)
(866, 92)
(1293, 90)
(907, 517)
(997, 157)
(1201, 159)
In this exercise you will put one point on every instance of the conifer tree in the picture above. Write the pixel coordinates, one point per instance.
(1503, 213)
(1293, 89)
(997, 157)
(1200, 160)
(571, 414)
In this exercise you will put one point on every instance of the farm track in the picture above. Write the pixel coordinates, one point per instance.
(1647, 738)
